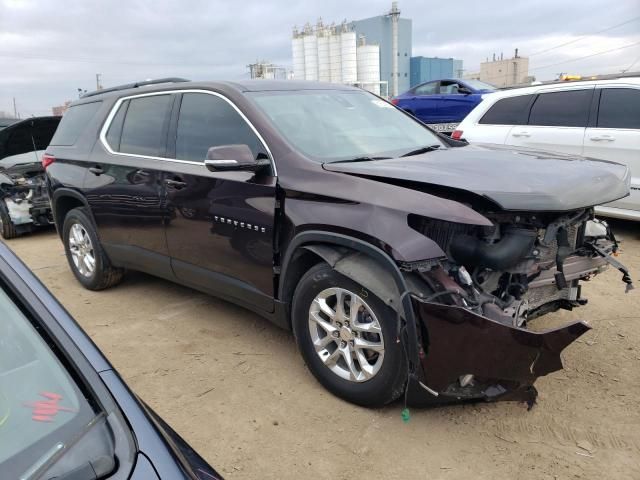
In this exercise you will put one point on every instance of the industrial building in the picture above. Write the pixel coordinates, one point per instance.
(373, 53)
(505, 72)
(267, 71)
(425, 69)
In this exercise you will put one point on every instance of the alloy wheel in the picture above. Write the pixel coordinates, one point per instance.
(346, 334)
(81, 249)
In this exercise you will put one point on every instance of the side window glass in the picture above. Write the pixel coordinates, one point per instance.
(73, 123)
(561, 109)
(207, 121)
(427, 89)
(448, 88)
(508, 111)
(115, 129)
(143, 130)
(619, 108)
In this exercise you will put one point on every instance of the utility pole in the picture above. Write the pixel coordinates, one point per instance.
(98, 86)
(395, 15)
(15, 110)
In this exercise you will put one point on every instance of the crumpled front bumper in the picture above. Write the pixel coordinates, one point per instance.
(504, 361)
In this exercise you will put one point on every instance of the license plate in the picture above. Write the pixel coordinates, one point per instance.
(443, 127)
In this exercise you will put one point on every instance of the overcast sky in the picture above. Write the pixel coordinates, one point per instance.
(50, 48)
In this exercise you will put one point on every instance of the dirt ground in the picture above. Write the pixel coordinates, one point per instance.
(235, 387)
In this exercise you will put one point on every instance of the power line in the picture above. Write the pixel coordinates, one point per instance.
(586, 56)
(630, 66)
(583, 37)
(115, 62)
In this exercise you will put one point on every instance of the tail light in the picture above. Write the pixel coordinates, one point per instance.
(395, 101)
(47, 160)
(457, 134)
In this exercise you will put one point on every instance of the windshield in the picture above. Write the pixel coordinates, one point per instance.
(478, 85)
(333, 125)
(41, 408)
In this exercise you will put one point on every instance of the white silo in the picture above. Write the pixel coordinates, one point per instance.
(297, 45)
(323, 54)
(310, 54)
(335, 57)
(369, 67)
(348, 53)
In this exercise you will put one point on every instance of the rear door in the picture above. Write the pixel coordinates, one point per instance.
(220, 236)
(425, 102)
(124, 183)
(615, 135)
(557, 122)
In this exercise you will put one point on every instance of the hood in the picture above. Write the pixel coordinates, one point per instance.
(23, 159)
(513, 178)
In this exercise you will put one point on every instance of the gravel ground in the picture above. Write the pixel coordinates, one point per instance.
(235, 387)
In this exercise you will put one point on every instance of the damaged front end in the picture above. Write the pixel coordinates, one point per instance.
(474, 307)
(24, 199)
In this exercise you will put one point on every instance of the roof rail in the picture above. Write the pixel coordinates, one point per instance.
(127, 86)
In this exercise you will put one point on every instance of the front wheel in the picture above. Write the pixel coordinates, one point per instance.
(7, 227)
(346, 336)
(85, 255)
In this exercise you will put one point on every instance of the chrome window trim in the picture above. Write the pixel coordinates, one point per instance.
(114, 110)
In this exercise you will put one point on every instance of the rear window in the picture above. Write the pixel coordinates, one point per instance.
(619, 108)
(508, 111)
(145, 125)
(73, 123)
(561, 109)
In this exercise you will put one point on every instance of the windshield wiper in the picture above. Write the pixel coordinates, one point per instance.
(361, 159)
(418, 151)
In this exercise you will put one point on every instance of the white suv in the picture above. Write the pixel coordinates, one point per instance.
(598, 119)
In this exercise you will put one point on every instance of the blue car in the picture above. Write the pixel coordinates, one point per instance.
(442, 104)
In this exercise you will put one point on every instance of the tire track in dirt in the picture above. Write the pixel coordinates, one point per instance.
(550, 429)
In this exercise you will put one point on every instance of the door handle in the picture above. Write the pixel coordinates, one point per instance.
(602, 138)
(97, 170)
(175, 184)
(521, 134)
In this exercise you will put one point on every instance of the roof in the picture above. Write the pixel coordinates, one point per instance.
(181, 84)
(562, 86)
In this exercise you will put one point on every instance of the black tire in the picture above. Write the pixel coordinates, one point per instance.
(388, 383)
(8, 230)
(104, 274)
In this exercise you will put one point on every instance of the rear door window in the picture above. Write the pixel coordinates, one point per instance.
(561, 109)
(144, 130)
(430, 88)
(207, 121)
(508, 111)
(73, 123)
(619, 108)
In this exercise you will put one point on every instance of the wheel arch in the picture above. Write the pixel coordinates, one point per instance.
(356, 259)
(64, 200)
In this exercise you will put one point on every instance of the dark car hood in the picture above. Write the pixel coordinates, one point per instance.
(513, 178)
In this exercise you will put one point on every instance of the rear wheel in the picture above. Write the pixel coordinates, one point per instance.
(7, 228)
(85, 255)
(347, 338)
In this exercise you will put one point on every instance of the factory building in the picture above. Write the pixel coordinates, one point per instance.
(505, 72)
(380, 30)
(373, 53)
(425, 69)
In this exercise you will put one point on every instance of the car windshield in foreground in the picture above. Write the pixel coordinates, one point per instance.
(42, 411)
(342, 125)
(478, 85)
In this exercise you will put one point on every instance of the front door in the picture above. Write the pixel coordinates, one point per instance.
(220, 235)
(123, 185)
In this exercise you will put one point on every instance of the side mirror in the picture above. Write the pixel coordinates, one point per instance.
(464, 91)
(231, 157)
